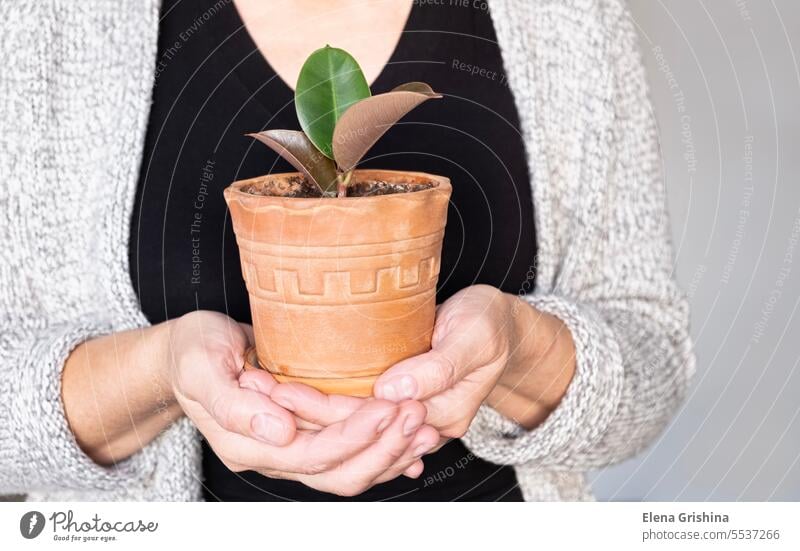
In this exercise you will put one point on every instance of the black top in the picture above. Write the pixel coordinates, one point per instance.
(213, 85)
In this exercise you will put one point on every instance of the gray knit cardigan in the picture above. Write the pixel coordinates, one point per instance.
(75, 89)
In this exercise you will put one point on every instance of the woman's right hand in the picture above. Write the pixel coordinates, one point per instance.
(355, 443)
(206, 353)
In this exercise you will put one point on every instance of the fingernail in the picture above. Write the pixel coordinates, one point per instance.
(403, 388)
(411, 424)
(385, 423)
(408, 387)
(284, 402)
(422, 449)
(269, 428)
(390, 392)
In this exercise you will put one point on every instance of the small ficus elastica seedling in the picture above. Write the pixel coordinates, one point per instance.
(340, 119)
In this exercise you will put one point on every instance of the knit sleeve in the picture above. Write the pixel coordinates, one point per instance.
(38, 451)
(72, 124)
(616, 293)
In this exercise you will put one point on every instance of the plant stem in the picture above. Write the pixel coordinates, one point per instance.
(342, 181)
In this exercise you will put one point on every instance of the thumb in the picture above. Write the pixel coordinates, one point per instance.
(423, 376)
(245, 410)
(248, 330)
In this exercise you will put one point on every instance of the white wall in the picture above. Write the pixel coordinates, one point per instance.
(736, 223)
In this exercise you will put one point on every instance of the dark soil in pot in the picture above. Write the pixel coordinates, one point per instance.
(301, 187)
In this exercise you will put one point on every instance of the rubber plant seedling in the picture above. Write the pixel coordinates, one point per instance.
(340, 119)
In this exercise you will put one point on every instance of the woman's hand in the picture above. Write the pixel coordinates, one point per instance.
(207, 353)
(397, 450)
(487, 346)
(348, 445)
(471, 345)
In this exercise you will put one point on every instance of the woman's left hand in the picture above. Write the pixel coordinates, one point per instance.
(487, 347)
(471, 345)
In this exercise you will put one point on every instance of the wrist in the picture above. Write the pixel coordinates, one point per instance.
(540, 367)
(526, 338)
(159, 355)
(522, 349)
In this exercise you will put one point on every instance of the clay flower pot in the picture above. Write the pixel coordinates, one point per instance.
(340, 289)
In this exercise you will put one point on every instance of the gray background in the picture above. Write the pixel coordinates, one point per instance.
(736, 224)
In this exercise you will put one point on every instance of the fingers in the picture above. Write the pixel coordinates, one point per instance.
(423, 376)
(317, 452)
(314, 406)
(313, 410)
(248, 331)
(423, 443)
(309, 453)
(471, 332)
(415, 469)
(358, 473)
(244, 410)
(263, 382)
(250, 414)
(378, 442)
(258, 380)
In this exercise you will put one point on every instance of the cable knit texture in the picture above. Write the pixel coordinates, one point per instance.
(74, 99)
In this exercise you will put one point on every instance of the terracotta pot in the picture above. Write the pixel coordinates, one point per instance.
(340, 289)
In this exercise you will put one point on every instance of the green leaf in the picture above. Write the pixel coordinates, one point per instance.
(296, 148)
(329, 82)
(366, 121)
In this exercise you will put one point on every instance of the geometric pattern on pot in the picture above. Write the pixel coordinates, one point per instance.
(341, 275)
